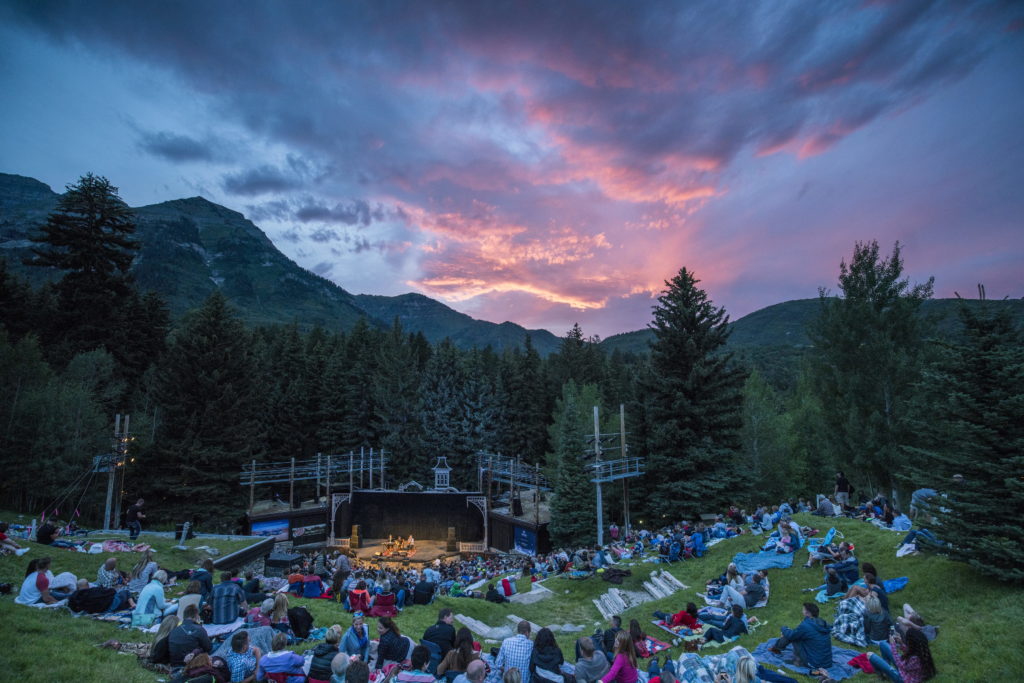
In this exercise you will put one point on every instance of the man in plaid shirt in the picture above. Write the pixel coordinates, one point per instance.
(515, 652)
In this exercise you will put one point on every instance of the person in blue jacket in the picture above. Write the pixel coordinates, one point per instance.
(811, 640)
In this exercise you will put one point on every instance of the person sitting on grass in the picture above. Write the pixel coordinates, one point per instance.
(639, 639)
(188, 637)
(281, 661)
(323, 655)
(243, 658)
(459, 657)
(546, 655)
(873, 586)
(876, 620)
(417, 673)
(7, 544)
(99, 599)
(279, 616)
(228, 600)
(260, 615)
(204, 575)
(393, 647)
(142, 572)
(357, 638)
(905, 661)
(834, 583)
(193, 596)
(158, 653)
(494, 595)
(623, 668)
(200, 668)
(36, 586)
(591, 664)
(152, 604)
(686, 618)
(752, 592)
(339, 667)
(108, 575)
(811, 640)
(734, 625)
(833, 552)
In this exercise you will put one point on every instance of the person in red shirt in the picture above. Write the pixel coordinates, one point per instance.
(686, 618)
(7, 544)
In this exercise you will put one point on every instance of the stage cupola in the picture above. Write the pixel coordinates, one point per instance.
(441, 472)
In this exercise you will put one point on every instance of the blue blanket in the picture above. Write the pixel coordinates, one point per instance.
(750, 562)
(838, 671)
(893, 585)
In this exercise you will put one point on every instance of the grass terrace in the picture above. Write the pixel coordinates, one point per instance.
(978, 638)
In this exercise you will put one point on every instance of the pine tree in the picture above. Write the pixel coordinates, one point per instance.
(89, 238)
(205, 386)
(444, 422)
(573, 507)
(765, 446)
(695, 400)
(395, 390)
(972, 424)
(868, 350)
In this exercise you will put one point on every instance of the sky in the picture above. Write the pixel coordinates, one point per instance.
(548, 162)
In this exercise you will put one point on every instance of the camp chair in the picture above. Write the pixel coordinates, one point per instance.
(814, 543)
(281, 677)
(358, 601)
(674, 551)
(435, 655)
(385, 605)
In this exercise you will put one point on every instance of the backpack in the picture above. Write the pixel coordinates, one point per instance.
(301, 621)
(91, 600)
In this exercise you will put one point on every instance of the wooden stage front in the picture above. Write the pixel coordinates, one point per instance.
(426, 552)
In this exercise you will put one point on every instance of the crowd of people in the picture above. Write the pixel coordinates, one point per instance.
(375, 594)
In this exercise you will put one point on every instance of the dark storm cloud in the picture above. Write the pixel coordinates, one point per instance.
(260, 180)
(181, 148)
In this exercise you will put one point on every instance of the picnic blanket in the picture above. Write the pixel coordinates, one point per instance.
(693, 668)
(839, 670)
(112, 546)
(750, 562)
(676, 631)
(258, 637)
(212, 630)
(654, 646)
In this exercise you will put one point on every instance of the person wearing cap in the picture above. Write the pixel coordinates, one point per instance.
(260, 615)
(357, 638)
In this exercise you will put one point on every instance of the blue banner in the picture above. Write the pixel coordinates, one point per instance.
(525, 541)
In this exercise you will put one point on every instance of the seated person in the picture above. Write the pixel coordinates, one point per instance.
(142, 573)
(751, 594)
(423, 592)
(905, 659)
(834, 583)
(204, 575)
(734, 625)
(876, 620)
(201, 668)
(493, 595)
(187, 636)
(243, 658)
(900, 522)
(832, 552)
(47, 533)
(281, 661)
(108, 575)
(152, 605)
(296, 580)
(36, 586)
(7, 544)
(592, 664)
(228, 600)
(385, 603)
(193, 596)
(260, 615)
(323, 655)
(811, 640)
(825, 508)
(686, 617)
(357, 638)
(99, 599)
(251, 586)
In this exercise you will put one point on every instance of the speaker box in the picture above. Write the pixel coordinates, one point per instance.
(452, 545)
(354, 540)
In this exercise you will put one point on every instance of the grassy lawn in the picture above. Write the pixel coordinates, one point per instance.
(48, 646)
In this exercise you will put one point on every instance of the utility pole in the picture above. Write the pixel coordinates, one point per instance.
(625, 481)
(119, 449)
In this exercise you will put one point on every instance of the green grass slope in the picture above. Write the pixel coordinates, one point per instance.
(979, 638)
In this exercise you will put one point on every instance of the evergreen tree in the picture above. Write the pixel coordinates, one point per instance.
(208, 429)
(972, 424)
(444, 422)
(696, 404)
(527, 404)
(361, 351)
(868, 350)
(765, 447)
(89, 238)
(573, 506)
(395, 391)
